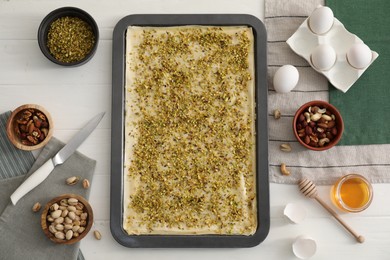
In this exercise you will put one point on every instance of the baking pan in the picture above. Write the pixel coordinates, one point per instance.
(117, 133)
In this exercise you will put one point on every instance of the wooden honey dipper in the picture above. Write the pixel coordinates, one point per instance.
(309, 189)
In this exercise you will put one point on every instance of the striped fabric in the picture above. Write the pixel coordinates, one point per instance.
(14, 162)
(282, 18)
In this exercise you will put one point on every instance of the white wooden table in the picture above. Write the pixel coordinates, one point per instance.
(73, 95)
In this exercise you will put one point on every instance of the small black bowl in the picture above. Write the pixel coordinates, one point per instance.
(63, 12)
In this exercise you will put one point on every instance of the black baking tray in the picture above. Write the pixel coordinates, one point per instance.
(117, 134)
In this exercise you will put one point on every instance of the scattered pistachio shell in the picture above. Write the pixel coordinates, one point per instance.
(72, 180)
(36, 207)
(86, 184)
(97, 235)
(285, 147)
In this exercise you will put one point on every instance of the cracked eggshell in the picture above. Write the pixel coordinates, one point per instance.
(285, 79)
(304, 247)
(295, 213)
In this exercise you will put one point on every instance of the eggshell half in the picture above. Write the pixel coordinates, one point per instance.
(295, 213)
(304, 247)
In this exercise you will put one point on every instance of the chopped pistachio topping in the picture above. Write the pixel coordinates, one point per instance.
(193, 154)
(70, 39)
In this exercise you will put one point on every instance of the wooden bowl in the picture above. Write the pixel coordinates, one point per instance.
(21, 126)
(49, 232)
(318, 130)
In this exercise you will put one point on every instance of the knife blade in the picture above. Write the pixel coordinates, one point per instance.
(44, 171)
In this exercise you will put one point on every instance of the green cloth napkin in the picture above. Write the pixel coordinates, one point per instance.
(21, 236)
(366, 105)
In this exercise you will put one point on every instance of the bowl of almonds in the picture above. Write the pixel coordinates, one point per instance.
(318, 125)
(66, 219)
(29, 127)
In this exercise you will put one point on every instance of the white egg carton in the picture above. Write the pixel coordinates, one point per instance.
(342, 75)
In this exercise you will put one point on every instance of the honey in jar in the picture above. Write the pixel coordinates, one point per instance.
(352, 193)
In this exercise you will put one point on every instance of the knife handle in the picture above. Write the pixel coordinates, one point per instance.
(32, 181)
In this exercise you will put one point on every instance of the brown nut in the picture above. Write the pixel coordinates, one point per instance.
(316, 126)
(306, 139)
(28, 126)
(301, 118)
(308, 130)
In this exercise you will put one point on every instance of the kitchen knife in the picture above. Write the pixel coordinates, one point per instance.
(41, 174)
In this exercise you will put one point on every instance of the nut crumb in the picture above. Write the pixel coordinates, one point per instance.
(277, 114)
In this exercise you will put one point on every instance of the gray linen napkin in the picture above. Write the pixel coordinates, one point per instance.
(282, 19)
(21, 236)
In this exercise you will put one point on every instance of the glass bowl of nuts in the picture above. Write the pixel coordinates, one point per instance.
(67, 219)
(318, 125)
(68, 36)
(29, 127)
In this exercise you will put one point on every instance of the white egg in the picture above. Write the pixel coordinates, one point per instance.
(321, 20)
(285, 79)
(323, 57)
(359, 55)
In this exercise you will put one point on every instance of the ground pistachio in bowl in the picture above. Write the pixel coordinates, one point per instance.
(70, 39)
(68, 36)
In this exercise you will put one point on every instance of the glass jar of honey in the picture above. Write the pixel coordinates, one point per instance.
(352, 193)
